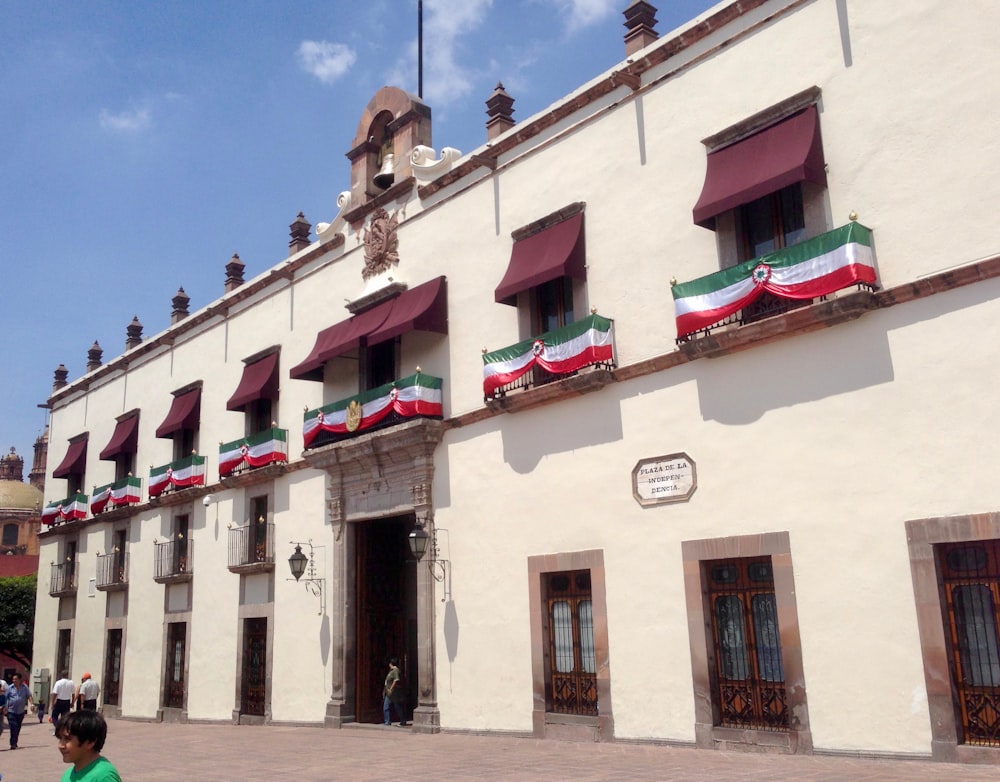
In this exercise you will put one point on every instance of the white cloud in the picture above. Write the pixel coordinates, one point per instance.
(584, 13)
(129, 121)
(446, 26)
(324, 60)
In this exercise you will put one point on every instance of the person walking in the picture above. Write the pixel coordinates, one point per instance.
(62, 698)
(86, 696)
(3, 702)
(81, 738)
(392, 695)
(18, 698)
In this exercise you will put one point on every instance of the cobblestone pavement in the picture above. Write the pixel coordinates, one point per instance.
(147, 752)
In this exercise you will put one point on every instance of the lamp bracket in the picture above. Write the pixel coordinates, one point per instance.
(312, 581)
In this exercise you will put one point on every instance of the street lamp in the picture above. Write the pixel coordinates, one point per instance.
(421, 541)
(301, 565)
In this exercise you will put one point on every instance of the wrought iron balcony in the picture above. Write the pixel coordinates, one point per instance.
(62, 579)
(112, 571)
(172, 561)
(251, 548)
(179, 474)
(777, 282)
(416, 396)
(552, 356)
(118, 494)
(258, 450)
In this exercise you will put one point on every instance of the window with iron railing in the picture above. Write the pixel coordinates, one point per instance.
(172, 559)
(112, 570)
(252, 545)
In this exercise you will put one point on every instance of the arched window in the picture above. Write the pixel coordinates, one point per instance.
(10, 534)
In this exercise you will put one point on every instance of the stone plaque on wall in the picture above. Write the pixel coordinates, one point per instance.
(663, 479)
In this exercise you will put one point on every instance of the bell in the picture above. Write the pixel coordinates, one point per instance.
(387, 174)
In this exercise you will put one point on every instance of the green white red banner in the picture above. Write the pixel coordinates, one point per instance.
(562, 351)
(126, 491)
(267, 447)
(813, 268)
(70, 509)
(189, 471)
(416, 395)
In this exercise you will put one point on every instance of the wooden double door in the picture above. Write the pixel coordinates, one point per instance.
(386, 624)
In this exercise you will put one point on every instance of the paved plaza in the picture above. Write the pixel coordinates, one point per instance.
(147, 752)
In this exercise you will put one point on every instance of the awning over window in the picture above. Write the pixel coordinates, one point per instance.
(259, 381)
(185, 413)
(424, 308)
(556, 251)
(75, 461)
(125, 438)
(338, 339)
(787, 152)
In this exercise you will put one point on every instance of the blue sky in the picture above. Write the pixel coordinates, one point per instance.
(143, 142)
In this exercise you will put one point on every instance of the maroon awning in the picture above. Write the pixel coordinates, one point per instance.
(338, 339)
(556, 251)
(424, 308)
(75, 460)
(125, 438)
(785, 153)
(185, 413)
(259, 381)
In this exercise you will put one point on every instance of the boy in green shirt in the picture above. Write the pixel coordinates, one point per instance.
(81, 738)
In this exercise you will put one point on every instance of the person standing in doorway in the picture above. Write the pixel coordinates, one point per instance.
(86, 696)
(18, 699)
(62, 698)
(392, 695)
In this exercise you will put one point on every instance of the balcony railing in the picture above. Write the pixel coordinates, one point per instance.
(557, 354)
(62, 579)
(118, 494)
(112, 571)
(172, 561)
(189, 471)
(777, 282)
(251, 548)
(258, 450)
(72, 508)
(416, 396)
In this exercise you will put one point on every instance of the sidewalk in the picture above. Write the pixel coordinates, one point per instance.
(146, 752)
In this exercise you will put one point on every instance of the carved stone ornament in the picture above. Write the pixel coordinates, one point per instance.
(381, 244)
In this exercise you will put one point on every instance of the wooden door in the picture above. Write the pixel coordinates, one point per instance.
(382, 554)
(254, 684)
(971, 579)
(749, 678)
(111, 684)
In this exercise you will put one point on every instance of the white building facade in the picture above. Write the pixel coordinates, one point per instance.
(683, 381)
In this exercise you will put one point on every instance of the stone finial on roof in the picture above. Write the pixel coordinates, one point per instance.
(59, 377)
(299, 231)
(94, 356)
(234, 273)
(500, 110)
(180, 303)
(133, 333)
(640, 21)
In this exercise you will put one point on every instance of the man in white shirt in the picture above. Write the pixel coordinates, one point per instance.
(62, 698)
(86, 696)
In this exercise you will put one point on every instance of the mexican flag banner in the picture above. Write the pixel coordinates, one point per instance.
(416, 395)
(189, 471)
(813, 268)
(126, 491)
(267, 447)
(73, 508)
(564, 350)
(50, 514)
(100, 499)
